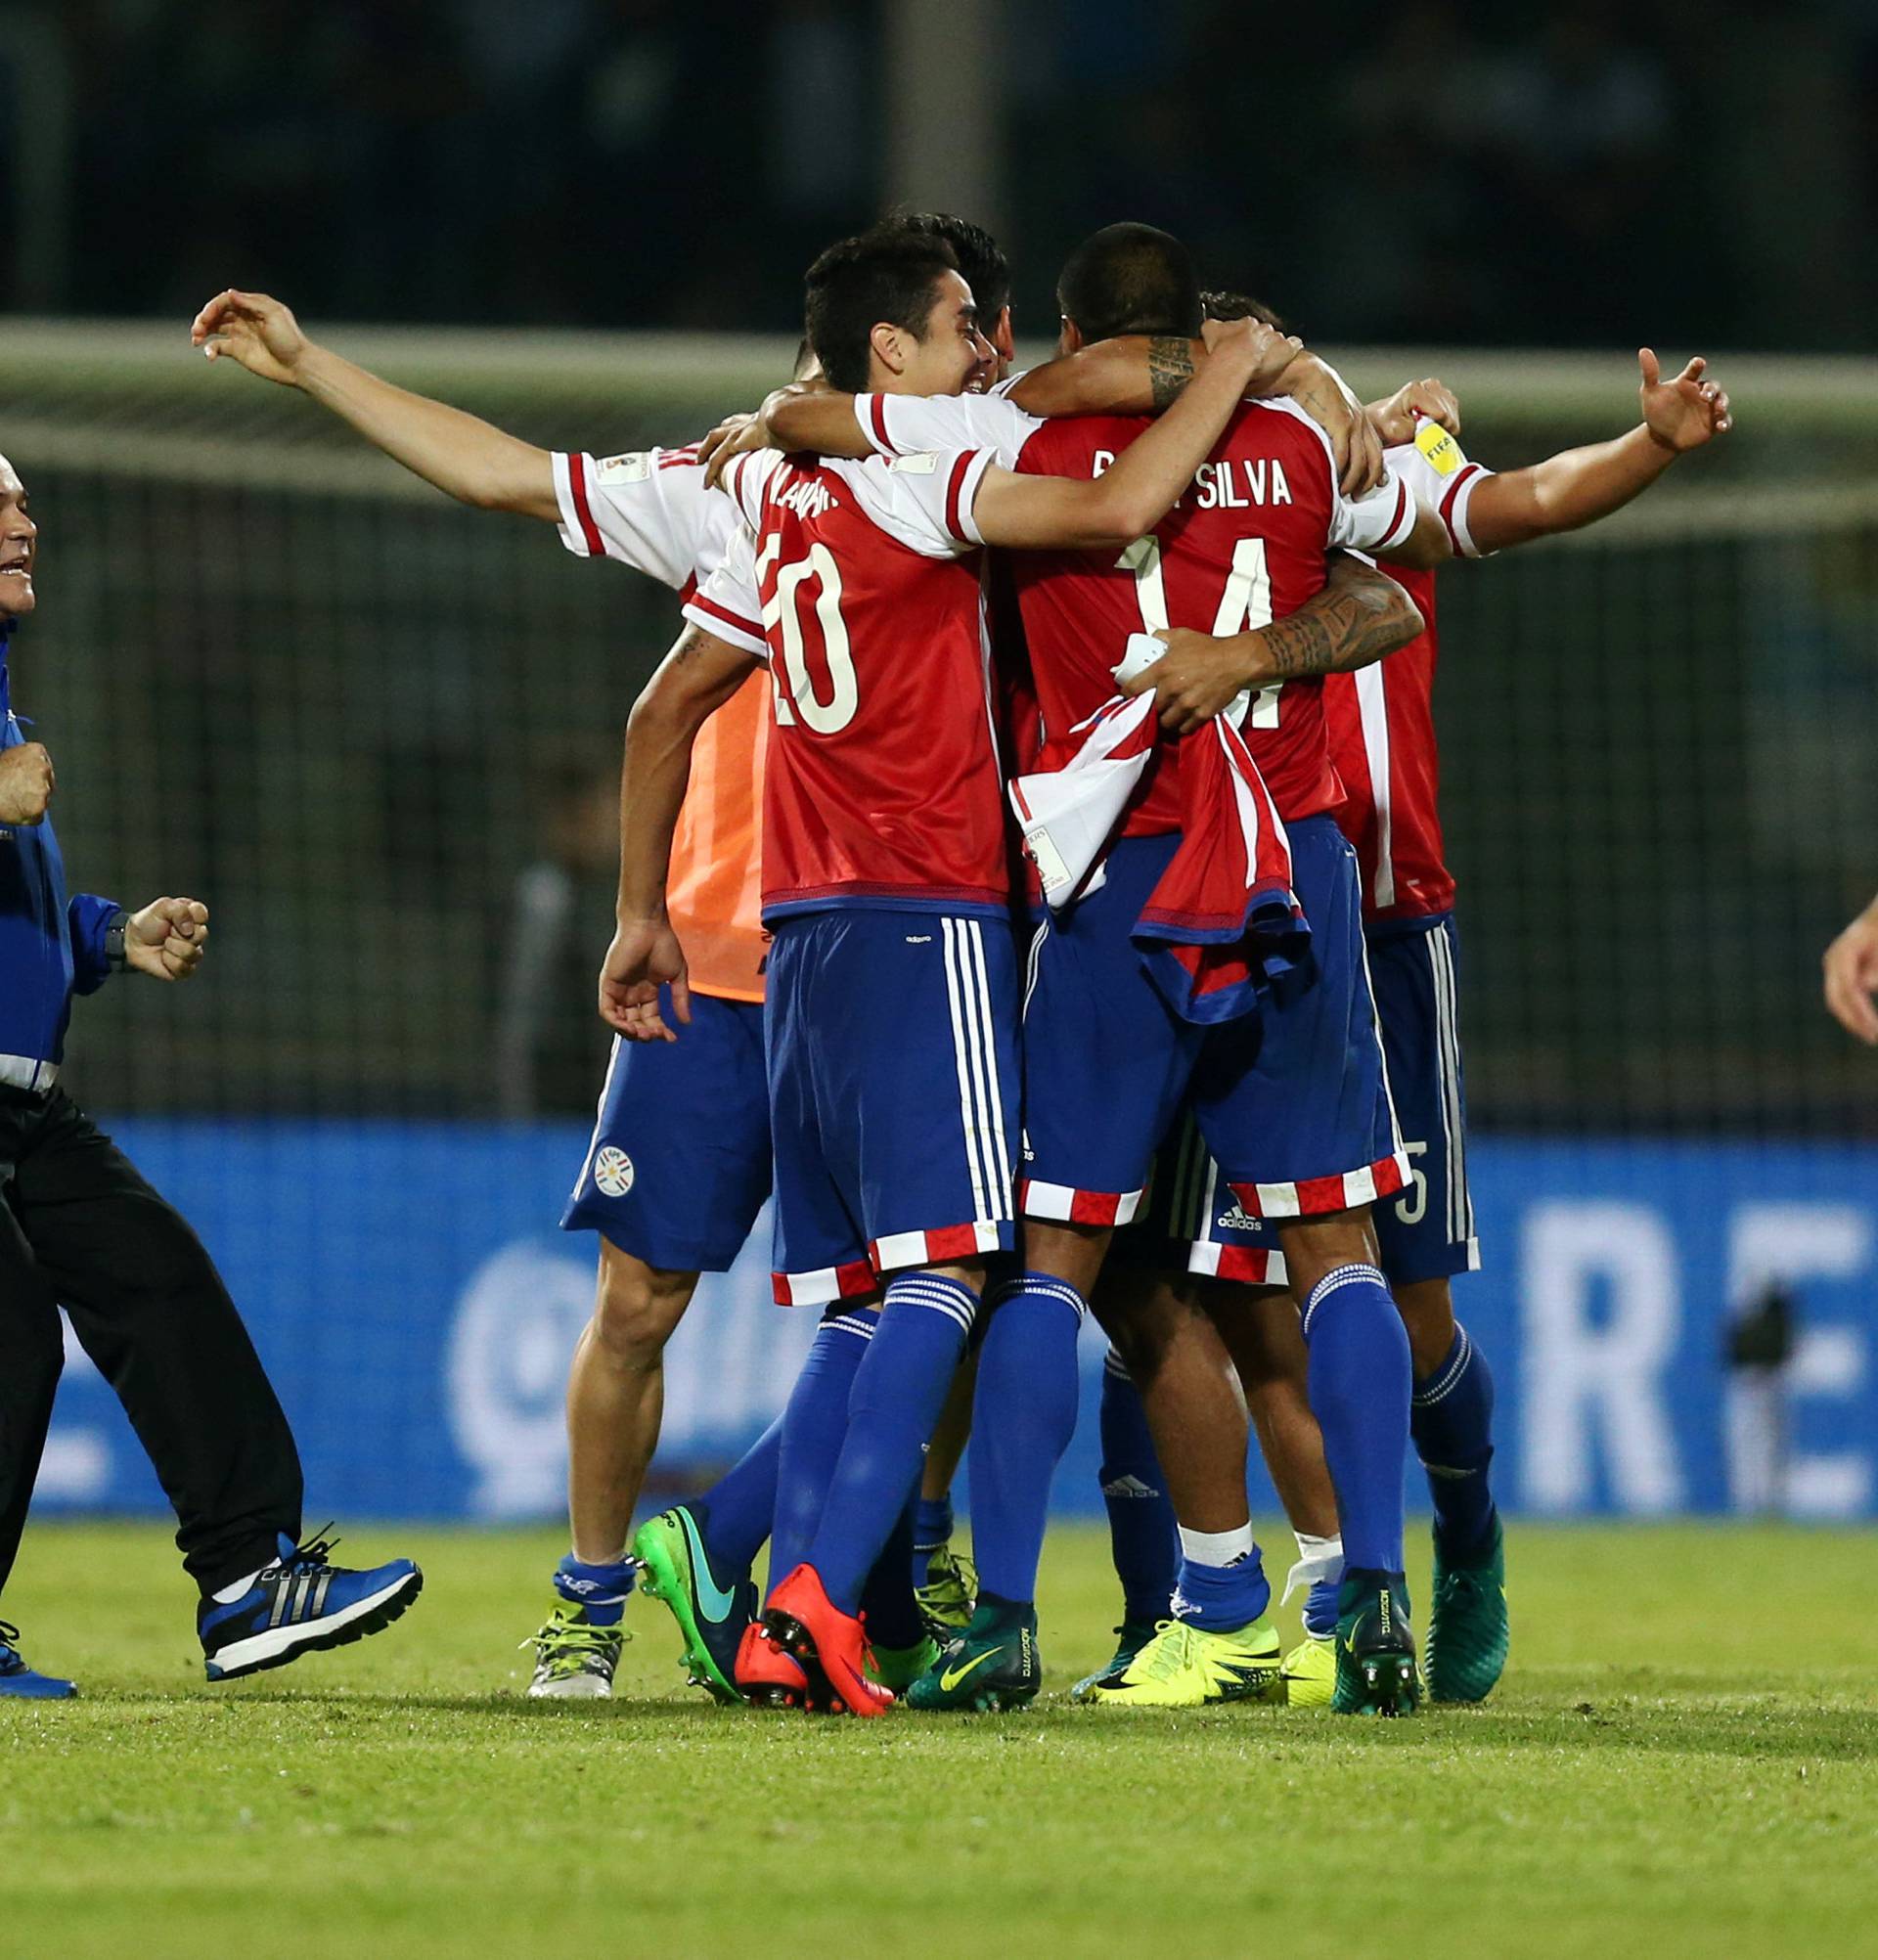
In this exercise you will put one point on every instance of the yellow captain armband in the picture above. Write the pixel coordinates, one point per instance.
(1442, 452)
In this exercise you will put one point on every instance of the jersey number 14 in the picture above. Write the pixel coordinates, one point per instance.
(1244, 607)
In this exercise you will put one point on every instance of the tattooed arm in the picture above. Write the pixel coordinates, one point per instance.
(1359, 616)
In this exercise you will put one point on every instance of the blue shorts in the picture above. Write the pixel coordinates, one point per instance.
(1292, 1098)
(893, 1094)
(679, 1164)
(1427, 1231)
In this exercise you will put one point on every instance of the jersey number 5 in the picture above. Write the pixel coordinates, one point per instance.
(797, 699)
(1244, 607)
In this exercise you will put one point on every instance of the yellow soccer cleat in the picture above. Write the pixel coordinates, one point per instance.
(1309, 1671)
(1184, 1666)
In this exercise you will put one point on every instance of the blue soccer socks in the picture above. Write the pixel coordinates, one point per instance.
(1359, 1387)
(1023, 1415)
(1142, 1535)
(735, 1515)
(1451, 1422)
(1221, 1583)
(815, 1425)
(898, 1389)
(599, 1590)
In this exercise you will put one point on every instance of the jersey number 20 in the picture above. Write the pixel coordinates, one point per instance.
(795, 696)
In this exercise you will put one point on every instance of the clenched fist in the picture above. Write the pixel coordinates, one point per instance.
(167, 938)
(26, 783)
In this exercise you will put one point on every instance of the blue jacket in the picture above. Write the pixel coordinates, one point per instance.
(49, 950)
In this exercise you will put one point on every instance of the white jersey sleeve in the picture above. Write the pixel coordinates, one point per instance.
(726, 602)
(1376, 522)
(904, 425)
(746, 479)
(649, 509)
(1440, 474)
(923, 501)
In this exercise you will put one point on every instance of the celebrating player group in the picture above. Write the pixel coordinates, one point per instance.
(1031, 881)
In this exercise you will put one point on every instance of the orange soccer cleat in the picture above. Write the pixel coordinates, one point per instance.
(769, 1677)
(830, 1645)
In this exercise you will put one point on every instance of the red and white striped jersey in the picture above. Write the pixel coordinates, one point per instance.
(652, 511)
(1244, 546)
(1382, 719)
(859, 581)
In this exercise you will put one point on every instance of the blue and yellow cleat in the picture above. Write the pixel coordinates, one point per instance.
(1468, 1629)
(1376, 1671)
(23, 1683)
(992, 1663)
(1131, 1636)
(302, 1604)
(676, 1570)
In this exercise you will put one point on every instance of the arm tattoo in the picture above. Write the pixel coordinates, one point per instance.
(1170, 366)
(1354, 621)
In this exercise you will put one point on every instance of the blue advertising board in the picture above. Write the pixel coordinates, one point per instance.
(416, 1306)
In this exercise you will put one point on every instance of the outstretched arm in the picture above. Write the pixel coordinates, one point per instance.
(1360, 615)
(466, 458)
(1578, 487)
(1141, 485)
(694, 680)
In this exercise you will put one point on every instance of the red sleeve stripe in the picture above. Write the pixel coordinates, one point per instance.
(961, 469)
(877, 415)
(1404, 508)
(689, 590)
(699, 603)
(1447, 502)
(577, 490)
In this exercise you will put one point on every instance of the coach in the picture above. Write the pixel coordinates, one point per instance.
(81, 1228)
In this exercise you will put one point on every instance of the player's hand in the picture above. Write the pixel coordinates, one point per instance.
(26, 783)
(254, 330)
(1259, 351)
(1684, 411)
(1394, 419)
(168, 939)
(733, 436)
(1194, 681)
(1852, 976)
(644, 957)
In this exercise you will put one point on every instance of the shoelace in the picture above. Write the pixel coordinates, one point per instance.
(1173, 1645)
(567, 1639)
(312, 1556)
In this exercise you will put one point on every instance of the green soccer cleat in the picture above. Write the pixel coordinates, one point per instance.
(1309, 1671)
(898, 1667)
(574, 1660)
(1187, 1667)
(1375, 1649)
(950, 1595)
(1131, 1636)
(1468, 1634)
(675, 1568)
(993, 1664)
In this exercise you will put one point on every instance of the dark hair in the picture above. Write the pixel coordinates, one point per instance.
(983, 267)
(1130, 279)
(804, 359)
(888, 273)
(1238, 306)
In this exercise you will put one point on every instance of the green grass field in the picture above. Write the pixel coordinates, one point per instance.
(1683, 1758)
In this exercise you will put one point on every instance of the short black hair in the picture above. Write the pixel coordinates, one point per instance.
(1238, 306)
(1131, 279)
(981, 264)
(888, 273)
(804, 359)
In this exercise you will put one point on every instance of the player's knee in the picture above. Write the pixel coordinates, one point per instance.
(636, 1307)
(1428, 1312)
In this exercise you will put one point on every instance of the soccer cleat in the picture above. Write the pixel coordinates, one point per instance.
(1309, 1671)
(1188, 1667)
(767, 1675)
(1467, 1626)
(898, 1667)
(574, 1660)
(1375, 1648)
(301, 1605)
(831, 1646)
(23, 1683)
(991, 1664)
(1131, 1636)
(676, 1570)
(950, 1595)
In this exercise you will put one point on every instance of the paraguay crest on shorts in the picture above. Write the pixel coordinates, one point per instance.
(613, 1171)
